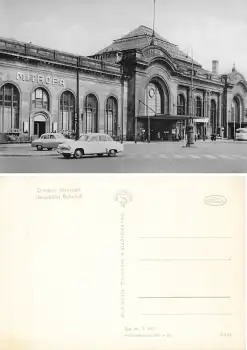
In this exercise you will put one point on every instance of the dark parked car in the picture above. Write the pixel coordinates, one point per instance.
(213, 137)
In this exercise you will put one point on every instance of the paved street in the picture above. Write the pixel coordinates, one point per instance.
(203, 157)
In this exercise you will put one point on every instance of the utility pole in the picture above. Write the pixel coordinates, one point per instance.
(77, 133)
(190, 137)
(122, 103)
(152, 41)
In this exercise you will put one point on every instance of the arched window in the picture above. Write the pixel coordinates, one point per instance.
(198, 107)
(9, 107)
(213, 116)
(91, 113)
(156, 99)
(235, 110)
(111, 116)
(67, 111)
(181, 105)
(40, 99)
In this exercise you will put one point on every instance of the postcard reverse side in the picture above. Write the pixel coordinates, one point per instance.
(118, 262)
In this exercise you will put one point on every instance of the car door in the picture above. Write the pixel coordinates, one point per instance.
(54, 141)
(40, 140)
(110, 144)
(102, 144)
(92, 146)
(45, 141)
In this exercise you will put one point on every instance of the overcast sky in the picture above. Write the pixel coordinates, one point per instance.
(214, 29)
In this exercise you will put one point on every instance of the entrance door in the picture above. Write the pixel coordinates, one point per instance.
(39, 125)
(39, 128)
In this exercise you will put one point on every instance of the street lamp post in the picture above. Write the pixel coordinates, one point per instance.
(148, 129)
(136, 121)
(234, 125)
(122, 104)
(190, 137)
(77, 134)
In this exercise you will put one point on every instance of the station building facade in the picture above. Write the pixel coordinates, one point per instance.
(160, 85)
(38, 90)
(140, 82)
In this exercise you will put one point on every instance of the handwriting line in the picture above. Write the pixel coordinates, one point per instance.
(184, 297)
(185, 237)
(190, 314)
(187, 259)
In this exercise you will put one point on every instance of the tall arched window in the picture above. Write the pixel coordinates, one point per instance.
(213, 115)
(9, 107)
(67, 111)
(156, 99)
(91, 113)
(235, 110)
(198, 107)
(181, 105)
(40, 99)
(111, 116)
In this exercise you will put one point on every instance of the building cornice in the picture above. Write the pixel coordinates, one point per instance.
(59, 59)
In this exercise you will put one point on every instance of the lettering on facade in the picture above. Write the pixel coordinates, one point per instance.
(41, 79)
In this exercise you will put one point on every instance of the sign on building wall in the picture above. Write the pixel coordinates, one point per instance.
(40, 79)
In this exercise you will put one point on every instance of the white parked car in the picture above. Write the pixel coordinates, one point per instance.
(89, 144)
(49, 141)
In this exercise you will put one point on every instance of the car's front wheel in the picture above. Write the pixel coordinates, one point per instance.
(67, 156)
(112, 153)
(39, 148)
(78, 153)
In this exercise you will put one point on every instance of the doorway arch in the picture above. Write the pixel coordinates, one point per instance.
(40, 124)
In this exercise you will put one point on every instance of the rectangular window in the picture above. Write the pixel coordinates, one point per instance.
(39, 94)
(94, 139)
(54, 127)
(65, 120)
(102, 138)
(109, 122)
(6, 119)
(89, 120)
(15, 118)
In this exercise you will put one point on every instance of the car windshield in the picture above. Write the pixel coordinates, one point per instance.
(84, 138)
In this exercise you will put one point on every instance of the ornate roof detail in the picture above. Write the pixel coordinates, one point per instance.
(140, 38)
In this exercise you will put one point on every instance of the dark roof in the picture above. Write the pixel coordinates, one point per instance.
(141, 37)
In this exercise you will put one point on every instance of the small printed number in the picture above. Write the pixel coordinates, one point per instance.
(226, 334)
